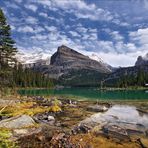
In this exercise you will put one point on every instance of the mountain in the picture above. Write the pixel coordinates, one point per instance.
(70, 67)
(142, 60)
(135, 75)
(71, 59)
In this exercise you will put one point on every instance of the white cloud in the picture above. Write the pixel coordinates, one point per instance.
(31, 20)
(31, 7)
(45, 2)
(43, 14)
(81, 29)
(39, 37)
(145, 4)
(38, 29)
(116, 35)
(124, 24)
(51, 28)
(140, 36)
(13, 27)
(11, 5)
(25, 29)
(83, 10)
(92, 30)
(18, 1)
(74, 34)
(79, 8)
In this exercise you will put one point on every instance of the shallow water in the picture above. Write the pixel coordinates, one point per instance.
(120, 115)
(90, 93)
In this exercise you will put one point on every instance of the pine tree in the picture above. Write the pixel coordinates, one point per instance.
(140, 77)
(7, 52)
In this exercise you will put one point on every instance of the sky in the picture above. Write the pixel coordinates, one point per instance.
(114, 30)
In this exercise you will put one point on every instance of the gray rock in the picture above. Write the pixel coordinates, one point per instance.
(81, 128)
(132, 128)
(51, 118)
(17, 122)
(116, 131)
(17, 133)
(97, 108)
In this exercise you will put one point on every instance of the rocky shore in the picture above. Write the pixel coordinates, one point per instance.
(39, 122)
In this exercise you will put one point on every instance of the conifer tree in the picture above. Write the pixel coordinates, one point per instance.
(7, 52)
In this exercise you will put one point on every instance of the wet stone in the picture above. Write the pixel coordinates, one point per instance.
(116, 131)
(97, 108)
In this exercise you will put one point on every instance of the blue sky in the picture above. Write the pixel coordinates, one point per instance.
(115, 30)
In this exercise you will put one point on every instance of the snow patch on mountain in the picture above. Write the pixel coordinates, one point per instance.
(95, 57)
(33, 57)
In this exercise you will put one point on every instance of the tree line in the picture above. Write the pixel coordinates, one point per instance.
(138, 79)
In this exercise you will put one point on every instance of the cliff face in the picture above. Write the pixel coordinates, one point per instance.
(142, 60)
(71, 59)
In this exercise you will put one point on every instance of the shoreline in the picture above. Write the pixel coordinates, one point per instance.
(70, 118)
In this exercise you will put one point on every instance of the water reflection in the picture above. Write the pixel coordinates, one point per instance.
(127, 114)
(120, 115)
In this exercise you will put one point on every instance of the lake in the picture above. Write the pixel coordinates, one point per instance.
(90, 93)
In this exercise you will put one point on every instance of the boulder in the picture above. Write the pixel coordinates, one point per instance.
(115, 131)
(97, 108)
(17, 122)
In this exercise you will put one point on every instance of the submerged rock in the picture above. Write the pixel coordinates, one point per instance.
(17, 122)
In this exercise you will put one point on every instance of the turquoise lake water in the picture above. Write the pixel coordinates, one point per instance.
(90, 93)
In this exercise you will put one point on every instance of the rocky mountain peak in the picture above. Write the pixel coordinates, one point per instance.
(66, 50)
(142, 60)
(68, 58)
(65, 54)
